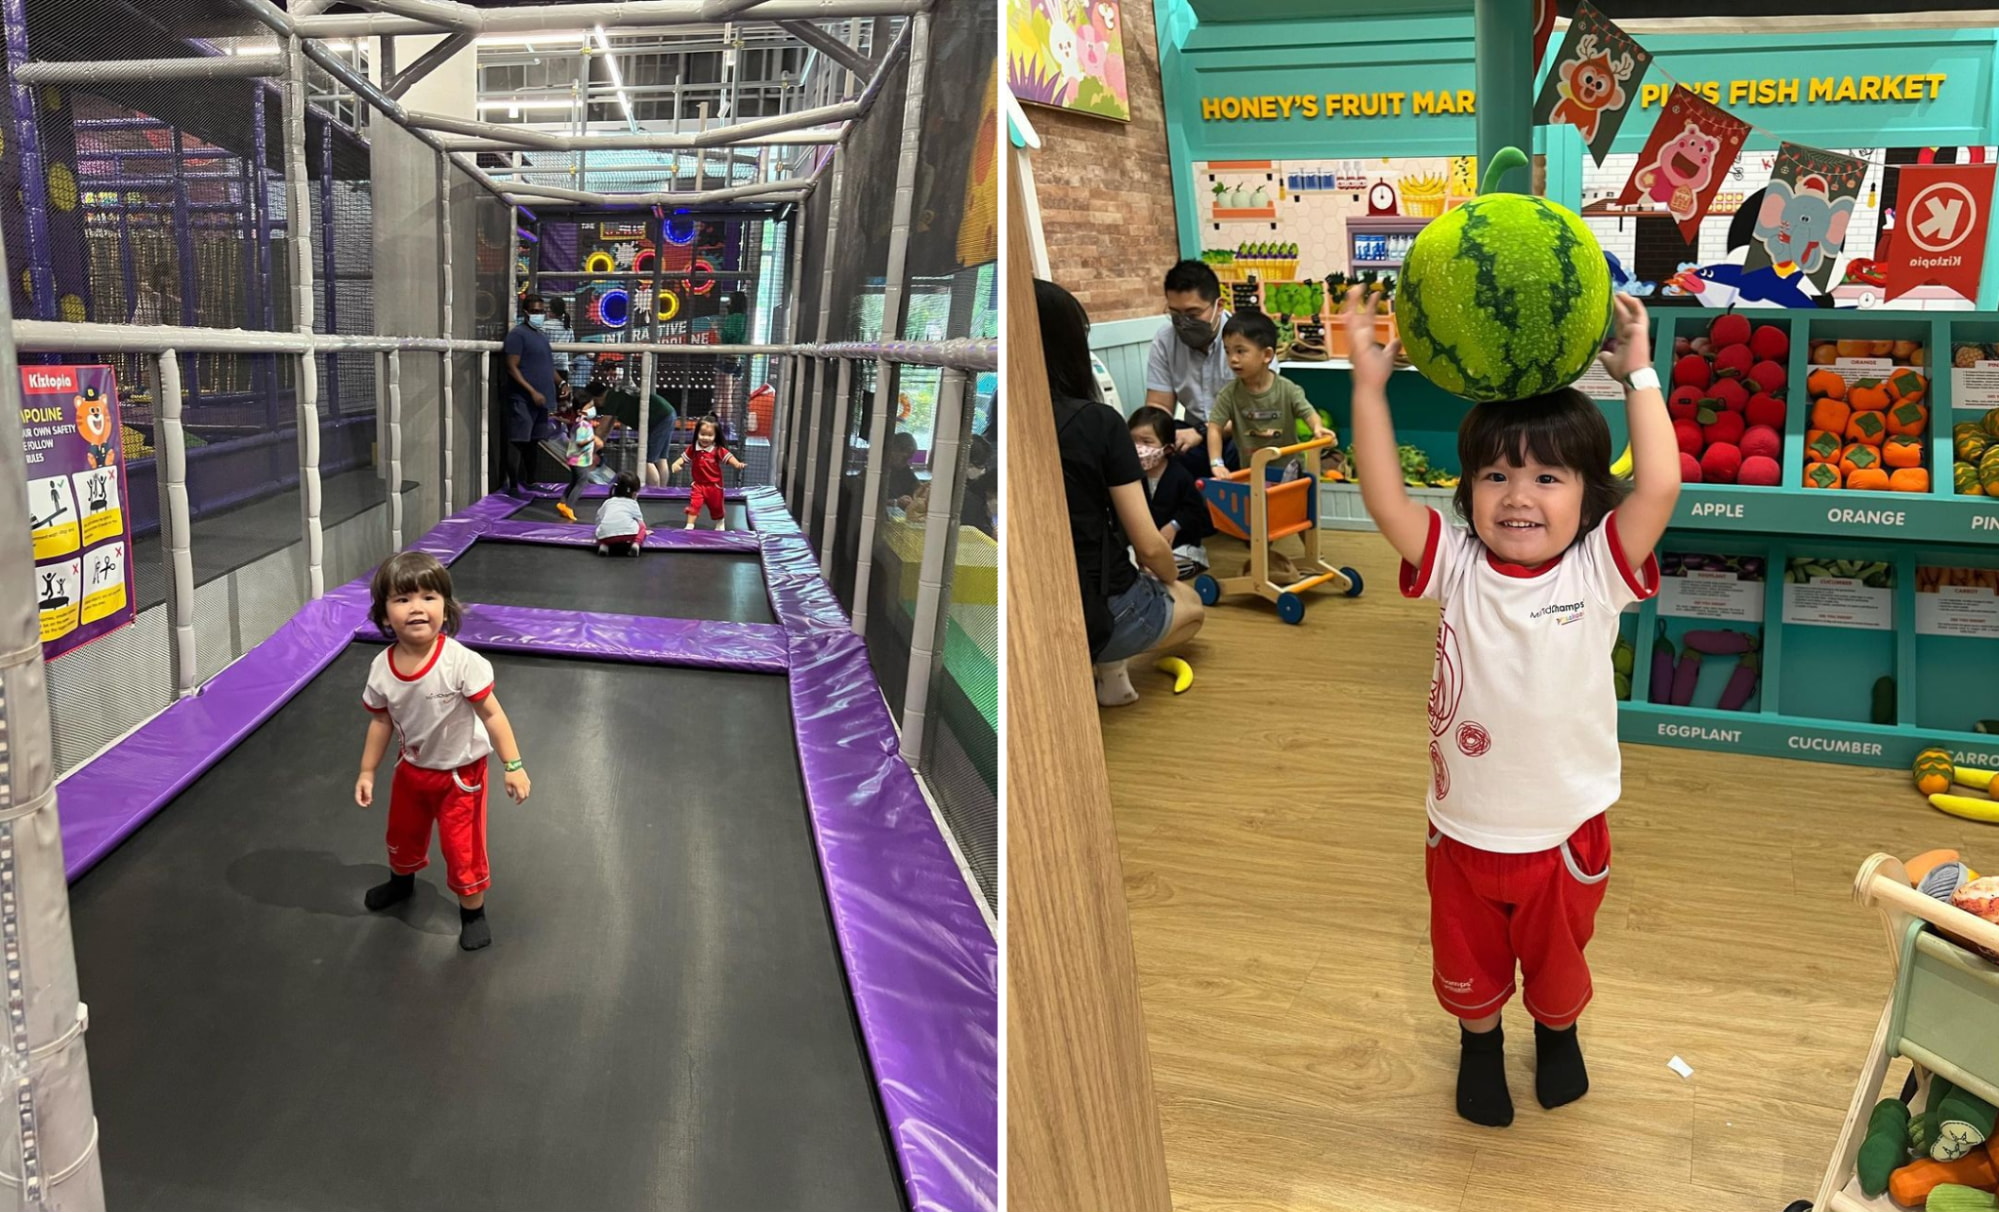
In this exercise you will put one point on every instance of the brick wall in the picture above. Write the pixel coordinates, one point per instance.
(1106, 189)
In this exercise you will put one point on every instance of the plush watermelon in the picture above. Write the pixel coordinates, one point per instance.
(1505, 297)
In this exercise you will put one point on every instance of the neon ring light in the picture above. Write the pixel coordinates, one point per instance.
(679, 231)
(707, 282)
(615, 307)
(645, 258)
(669, 305)
(599, 262)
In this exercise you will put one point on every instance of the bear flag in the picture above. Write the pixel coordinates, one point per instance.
(1594, 80)
(1686, 159)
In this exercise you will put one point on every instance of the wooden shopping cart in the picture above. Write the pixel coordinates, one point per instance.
(1256, 505)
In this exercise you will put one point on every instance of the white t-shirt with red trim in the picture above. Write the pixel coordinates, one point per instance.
(432, 707)
(1523, 707)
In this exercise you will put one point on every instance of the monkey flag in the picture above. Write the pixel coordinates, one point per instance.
(1594, 81)
(1687, 158)
(1801, 226)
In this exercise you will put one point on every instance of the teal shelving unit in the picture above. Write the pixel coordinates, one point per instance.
(1815, 699)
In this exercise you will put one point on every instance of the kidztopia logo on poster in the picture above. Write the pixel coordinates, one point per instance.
(76, 503)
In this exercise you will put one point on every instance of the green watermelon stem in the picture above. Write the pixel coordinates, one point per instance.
(1504, 161)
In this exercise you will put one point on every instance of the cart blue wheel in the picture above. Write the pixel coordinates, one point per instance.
(1209, 589)
(1353, 575)
(1290, 607)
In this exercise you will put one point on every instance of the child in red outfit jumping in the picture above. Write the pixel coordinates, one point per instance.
(1523, 709)
(706, 457)
(437, 696)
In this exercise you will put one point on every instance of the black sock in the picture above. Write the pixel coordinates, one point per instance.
(1482, 1095)
(1559, 1076)
(473, 933)
(396, 888)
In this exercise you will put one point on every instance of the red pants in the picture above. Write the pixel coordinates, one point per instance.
(709, 495)
(628, 541)
(1490, 911)
(456, 801)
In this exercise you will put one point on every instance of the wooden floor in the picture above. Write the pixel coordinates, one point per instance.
(1271, 825)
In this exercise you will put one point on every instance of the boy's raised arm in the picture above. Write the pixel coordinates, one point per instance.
(1405, 524)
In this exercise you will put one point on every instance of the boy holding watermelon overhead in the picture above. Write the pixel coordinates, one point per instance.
(1548, 550)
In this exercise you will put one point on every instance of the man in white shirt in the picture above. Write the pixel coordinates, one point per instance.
(1186, 365)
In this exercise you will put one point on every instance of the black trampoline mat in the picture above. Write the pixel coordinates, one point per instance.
(661, 1021)
(661, 583)
(658, 512)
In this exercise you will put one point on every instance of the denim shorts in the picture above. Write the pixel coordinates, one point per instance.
(1140, 619)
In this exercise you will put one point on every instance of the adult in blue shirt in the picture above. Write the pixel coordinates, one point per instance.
(530, 388)
(1186, 365)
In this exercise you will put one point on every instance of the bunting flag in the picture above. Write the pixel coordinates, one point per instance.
(1594, 81)
(1544, 27)
(1942, 214)
(1686, 159)
(1802, 223)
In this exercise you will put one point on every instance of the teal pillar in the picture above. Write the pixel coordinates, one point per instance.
(1504, 33)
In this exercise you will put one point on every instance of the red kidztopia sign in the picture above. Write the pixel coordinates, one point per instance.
(1942, 214)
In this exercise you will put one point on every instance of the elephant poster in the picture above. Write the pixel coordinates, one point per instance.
(1806, 212)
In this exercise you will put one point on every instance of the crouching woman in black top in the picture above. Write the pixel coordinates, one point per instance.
(1127, 611)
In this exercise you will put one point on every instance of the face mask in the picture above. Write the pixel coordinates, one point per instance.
(974, 472)
(1194, 333)
(589, 412)
(536, 319)
(1149, 456)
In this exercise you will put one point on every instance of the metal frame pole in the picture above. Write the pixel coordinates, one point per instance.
(260, 149)
(393, 367)
(327, 258)
(298, 233)
(27, 138)
(894, 289)
(836, 465)
(444, 322)
(785, 439)
(485, 410)
(52, 1137)
(940, 541)
(170, 467)
(805, 498)
(645, 410)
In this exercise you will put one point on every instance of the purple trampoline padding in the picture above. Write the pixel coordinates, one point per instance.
(768, 515)
(799, 596)
(551, 490)
(106, 799)
(574, 534)
(756, 648)
(921, 964)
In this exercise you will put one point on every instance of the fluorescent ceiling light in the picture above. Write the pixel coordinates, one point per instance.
(617, 77)
(529, 40)
(555, 104)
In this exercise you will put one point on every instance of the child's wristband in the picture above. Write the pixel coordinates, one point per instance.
(1642, 378)
(518, 764)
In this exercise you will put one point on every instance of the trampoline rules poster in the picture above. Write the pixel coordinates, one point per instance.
(76, 503)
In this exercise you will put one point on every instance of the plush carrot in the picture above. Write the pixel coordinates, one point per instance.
(1741, 684)
(1867, 426)
(1910, 1186)
(1902, 451)
(1830, 414)
(1823, 476)
(1910, 480)
(1908, 418)
(1869, 480)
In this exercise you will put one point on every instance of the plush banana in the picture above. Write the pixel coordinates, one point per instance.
(1624, 463)
(1183, 674)
(1971, 777)
(1967, 806)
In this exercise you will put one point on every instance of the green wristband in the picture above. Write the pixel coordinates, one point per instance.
(518, 764)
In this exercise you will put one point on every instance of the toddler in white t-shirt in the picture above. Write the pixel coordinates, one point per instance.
(435, 696)
(1523, 710)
